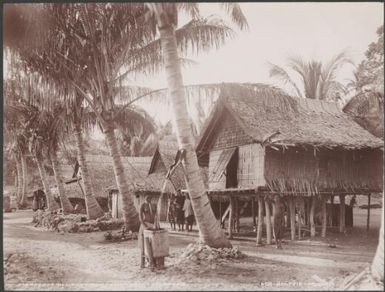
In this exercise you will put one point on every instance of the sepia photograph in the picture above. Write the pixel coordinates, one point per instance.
(193, 146)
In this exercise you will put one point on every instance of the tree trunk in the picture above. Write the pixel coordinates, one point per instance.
(260, 219)
(51, 203)
(58, 173)
(130, 214)
(368, 215)
(209, 228)
(22, 202)
(19, 174)
(324, 216)
(292, 217)
(377, 267)
(311, 217)
(93, 209)
(268, 222)
(342, 213)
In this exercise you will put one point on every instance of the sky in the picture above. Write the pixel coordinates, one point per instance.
(277, 31)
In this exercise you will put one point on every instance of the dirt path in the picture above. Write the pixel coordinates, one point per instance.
(43, 260)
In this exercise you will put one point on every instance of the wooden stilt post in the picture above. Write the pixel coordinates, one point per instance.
(231, 215)
(324, 216)
(313, 201)
(331, 209)
(268, 221)
(287, 222)
(342, 213)
(301, 211)
(253, 212)
(292, 217)
(220, 213)
(368, 218)
(237, 214)
(260, 219)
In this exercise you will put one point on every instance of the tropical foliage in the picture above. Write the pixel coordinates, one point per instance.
(317, 80)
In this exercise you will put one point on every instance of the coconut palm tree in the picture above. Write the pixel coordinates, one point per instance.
(166, 16)
(318, 80)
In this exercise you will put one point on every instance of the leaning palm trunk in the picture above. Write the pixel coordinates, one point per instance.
(51, 203)
(130, 213)
(57, 170)
(209, 228)
(93, 209)
(19, 179)
(24, 181)
(378, 261)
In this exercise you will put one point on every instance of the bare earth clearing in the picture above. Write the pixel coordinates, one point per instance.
(43, 260)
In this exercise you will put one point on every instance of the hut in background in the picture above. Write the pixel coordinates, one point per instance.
(259, 142)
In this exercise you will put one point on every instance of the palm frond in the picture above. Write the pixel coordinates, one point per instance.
(236, 14)
(282, 75)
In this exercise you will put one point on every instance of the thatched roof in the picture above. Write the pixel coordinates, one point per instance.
(163, 158)
(265, 111)
(367, 109)
(103, 177)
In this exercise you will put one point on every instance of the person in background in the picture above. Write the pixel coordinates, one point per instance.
(188, 213)
(353, 201)
(172, 212)
(179, 200)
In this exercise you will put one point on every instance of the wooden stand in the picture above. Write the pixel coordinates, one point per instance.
(260, 219)
(312, 211)
(268, 221)
(237, 214)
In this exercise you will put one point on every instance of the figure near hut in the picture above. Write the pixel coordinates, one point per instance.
(188, 213)
(172, 212)
(179, 210)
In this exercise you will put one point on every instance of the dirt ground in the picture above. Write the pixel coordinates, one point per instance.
(44, 260)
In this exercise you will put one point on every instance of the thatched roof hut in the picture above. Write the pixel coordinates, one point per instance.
(367, 109)
(103, 177)
(261, 139)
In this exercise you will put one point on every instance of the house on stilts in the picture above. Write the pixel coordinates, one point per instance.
(258, 142)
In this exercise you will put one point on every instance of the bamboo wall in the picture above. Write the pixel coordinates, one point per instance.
(300, 170)
(251, 166)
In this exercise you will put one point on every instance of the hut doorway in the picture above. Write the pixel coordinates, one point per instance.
(232, 170)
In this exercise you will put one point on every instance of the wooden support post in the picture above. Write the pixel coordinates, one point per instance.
(292, 217)
(231, 217)
(220, 213)
(237, 214)
(313, 201)
(342, 213)
(253, 212)
(299, 222)
(324, 216)
(288, 220)
(368, 218)
(331, 210)
(260, 219)
(268, 221)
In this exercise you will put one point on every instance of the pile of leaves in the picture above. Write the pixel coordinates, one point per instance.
(75, 222)
(199, 253)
